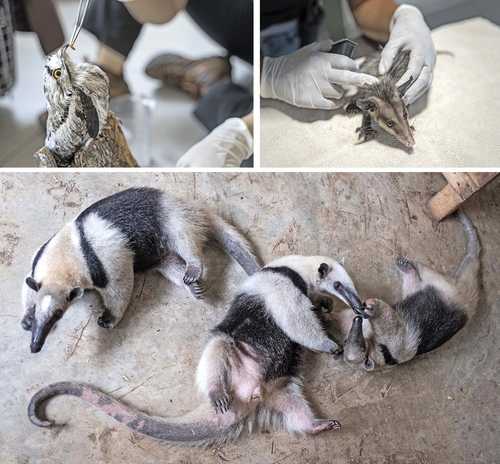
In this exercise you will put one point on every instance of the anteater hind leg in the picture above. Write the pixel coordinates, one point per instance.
(411, 281)
(190, 249)
(213, 375)
(173, 268)
(296, 413)
(416, 277)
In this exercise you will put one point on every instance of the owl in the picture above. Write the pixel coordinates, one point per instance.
(77, 97)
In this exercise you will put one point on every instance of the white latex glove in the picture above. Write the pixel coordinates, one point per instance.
(311, 77)
(409, 32)
(226, 146)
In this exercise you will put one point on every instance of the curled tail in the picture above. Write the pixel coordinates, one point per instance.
(203, 429)
(467, 273)
(235, 244)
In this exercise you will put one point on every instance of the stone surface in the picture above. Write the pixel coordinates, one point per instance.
(441, 408)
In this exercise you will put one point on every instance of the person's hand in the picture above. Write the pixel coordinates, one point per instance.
(409, 32)
(226, 146)
(311, 77)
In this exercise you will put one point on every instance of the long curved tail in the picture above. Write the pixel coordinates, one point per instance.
(467, 273)
(194, 429)
(235, 244)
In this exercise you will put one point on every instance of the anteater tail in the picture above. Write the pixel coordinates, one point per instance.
(195, 429)
(467, 273)
(235, 244)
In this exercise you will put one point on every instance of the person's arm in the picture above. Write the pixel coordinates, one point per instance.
(154, 11)
(374, 17)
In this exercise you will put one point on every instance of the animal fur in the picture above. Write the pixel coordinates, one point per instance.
(382, 103)
(250, 372)
(77, 103)
(106, 244)
(434, 307)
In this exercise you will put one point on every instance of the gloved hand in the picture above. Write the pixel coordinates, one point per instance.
(311, 77)
(226, 146)
(409, 32)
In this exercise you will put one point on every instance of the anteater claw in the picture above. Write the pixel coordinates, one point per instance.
(197, 289)
(27, 320)
(404, 264)
(366, 133)
(220, 402)
(192, 274)
(105, 320)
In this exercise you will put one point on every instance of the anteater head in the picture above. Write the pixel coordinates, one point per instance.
(384, 103)
(330, 272)
(51, 302)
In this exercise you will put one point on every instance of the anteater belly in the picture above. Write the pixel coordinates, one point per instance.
(248, 322)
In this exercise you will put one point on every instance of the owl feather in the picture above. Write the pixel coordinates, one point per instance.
(77, 97)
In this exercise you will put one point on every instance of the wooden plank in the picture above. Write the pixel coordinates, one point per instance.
(467, 183)
(444, 203)
(461, 186)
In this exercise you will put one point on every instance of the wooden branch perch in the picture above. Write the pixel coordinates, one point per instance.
(109, 150)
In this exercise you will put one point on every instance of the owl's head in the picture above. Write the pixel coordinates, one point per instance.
(58, 75)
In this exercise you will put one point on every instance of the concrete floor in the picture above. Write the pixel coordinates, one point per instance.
(174, 128)
(441, 408)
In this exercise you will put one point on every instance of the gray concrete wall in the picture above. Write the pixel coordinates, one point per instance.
(441, 408)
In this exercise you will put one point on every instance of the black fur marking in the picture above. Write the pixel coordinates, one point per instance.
(94, 264)
(38, 256)
(33, 284)
(248, 321)
(295, 277)
(388, 358)
(323, 270)
(436, 320)
(138, 214)
(90, 115)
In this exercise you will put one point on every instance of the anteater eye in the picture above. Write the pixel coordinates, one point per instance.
(57, 73)
(389, 123)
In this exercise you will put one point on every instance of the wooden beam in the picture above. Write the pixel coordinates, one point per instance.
(461, 186)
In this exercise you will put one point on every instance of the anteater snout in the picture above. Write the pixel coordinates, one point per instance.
(36, 347)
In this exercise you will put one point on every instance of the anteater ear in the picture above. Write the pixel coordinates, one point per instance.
(323, 270)
(77, 292)
(33, 284)
(367, 104)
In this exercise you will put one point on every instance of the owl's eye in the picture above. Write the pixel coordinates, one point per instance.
(57, 73)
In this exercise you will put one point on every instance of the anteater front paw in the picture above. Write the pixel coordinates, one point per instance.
(366, 133)
(351, 109)
(192, 274)
(221, 401)
(27, 320)
(197, 289)
(405, 265)
(106, 320)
